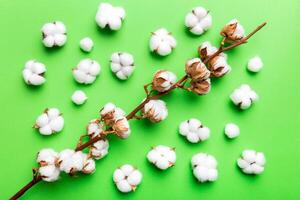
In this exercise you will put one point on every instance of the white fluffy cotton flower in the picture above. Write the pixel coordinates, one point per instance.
(233, 31)
(155, 110)
(51, 121)
(194, 131)
(86, 44)
(110, 16)
(163, 80)
(86, 71)
(252, 162)
(110, 113)
(121, 127)
(204, 167)
(127, 178)
(79, 97)
(89, 166)
(162, 156)
(49, 173)
(255, 64)
(122, 64)
(198, 20)
(243, 96)
(99, 149)
(54, 34)
(232, 130)
(70, 161)
(47, 157)
(33, 73)
(94, 128)
(162, 42)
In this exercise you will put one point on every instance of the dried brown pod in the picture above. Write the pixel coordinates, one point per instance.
(196, 69)
(200, 87)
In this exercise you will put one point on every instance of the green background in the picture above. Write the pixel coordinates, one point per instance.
(270, 126)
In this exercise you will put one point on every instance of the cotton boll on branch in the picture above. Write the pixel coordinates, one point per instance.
(162, 42)
(155, 110)
(198, 20)
(163, 80)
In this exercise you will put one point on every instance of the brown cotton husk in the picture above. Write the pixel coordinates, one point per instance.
(197, 71)
(200, 87)
(158, 81)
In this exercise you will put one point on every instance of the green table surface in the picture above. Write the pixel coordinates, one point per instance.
(271, 125)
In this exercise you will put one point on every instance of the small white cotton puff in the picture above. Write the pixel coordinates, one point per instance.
(86, 44)
(243, 96)
(204, 167)
(122, 64)
(162, 156)
(49, 173)
(162, 42)
(255, 64)
(94, 128)
(51, 121)
(33, 73)
(127, 178)
(194, 131)
(54, 34)
(99, 149)
(232, 130)
(86, 71)
(110, 16)
(47, 157)
(198, 20)
(79, 97)
(155, 110)
(252, 162)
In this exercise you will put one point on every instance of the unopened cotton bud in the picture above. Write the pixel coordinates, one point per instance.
(89, 166)
(127, 178)
(233, 31)
(155, 110)
(109, 113)
(121, 127)
(49, 173)
(162, 42)
(33, 73)
(47, 157)
(86, 71)
(122, 64)
(252, 162)
(194, 131)
(255, 64)
(79, 97)
(163, 80)
(204, 167)
(54, 34)
(94, 128)
(243, 96)
(200, 87)
(196, 70)
(232, 130)
(86, 44)
(162, 157)
(110, 16)
(99, 149)
(198, 21)
(51, 121)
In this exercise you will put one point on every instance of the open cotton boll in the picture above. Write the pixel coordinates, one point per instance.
(110, 113)
(79, 97)
(122, 64)
(162, 156)
(198, 20)
(94, 128)
(233, 31)
(47, 157)
(243, 96)
(162, 42)
(99, 149)
(155, 110)
(121, 127)
(255, 64)
(49, 173)
(206, 49)
(89, 166)
(232, 130)
(194, 131)
(252, 162)
(196, 70)
(70, 161)
(127, 178)
(50, 122)
(86, 44)
(204, 167)
(86, 71)
(163, 80)
(110, 16)
(33, 73)
(54, 34)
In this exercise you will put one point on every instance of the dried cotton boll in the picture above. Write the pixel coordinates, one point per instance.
(33, 73)
(162, 42)
(204, 167)
(232, 130)
(109, 113)
(86, 71)
(79, 97)
(233, 31)
(89, 166)
(252, 162)
(49, 173)
(122, 64)
(155, 110)
(163, 80)
(54, 34)
(194, 131)
(255, 64)
(162, 157)
(206, 49)
(121, 127)
(200, 87)
(127, 178)
(50, 122)
(243, 96)
(110, 16)
(198, 21)
(71, 162)
(196, 70)
(47, 157)
(99, 149)
(94, 128)
(86, 44)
